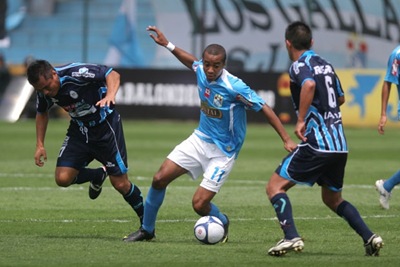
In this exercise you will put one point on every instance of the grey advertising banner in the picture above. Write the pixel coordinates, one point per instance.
(172, 94)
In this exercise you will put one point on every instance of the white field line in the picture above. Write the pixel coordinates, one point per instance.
(108, 187)
(142, 178)
(80, 188)
(32, 220)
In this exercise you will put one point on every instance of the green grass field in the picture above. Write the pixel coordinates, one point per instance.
(44, 225)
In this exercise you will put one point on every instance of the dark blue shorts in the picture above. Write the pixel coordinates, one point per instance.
(308, 166)
(104, 142)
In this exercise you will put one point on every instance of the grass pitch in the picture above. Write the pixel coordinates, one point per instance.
(44, 225)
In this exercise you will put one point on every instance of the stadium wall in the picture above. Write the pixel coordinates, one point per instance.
(351, 34)
(172, 94)
(149, 94)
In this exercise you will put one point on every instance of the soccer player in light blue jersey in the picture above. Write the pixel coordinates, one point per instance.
(322, 154)
(385, 187)
(214, 146)
(87, 92)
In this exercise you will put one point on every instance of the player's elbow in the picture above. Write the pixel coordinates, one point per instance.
(341, 100)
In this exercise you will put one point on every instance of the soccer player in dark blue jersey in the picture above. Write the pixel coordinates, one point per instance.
(87, 92)
(322, 154)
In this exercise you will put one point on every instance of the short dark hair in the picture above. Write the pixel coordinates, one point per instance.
(38, 68)
(299, 35)
(216, 49)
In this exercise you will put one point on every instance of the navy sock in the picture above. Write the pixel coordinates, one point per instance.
(283, 210)
(85, 175)
(353, 218)
(135, 200)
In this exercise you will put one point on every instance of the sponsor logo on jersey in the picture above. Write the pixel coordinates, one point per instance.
(83, 72)
(79, 109)
(332, 115)
(209, 111)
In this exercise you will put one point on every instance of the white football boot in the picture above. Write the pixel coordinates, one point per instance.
(384, 195)
(284, 245)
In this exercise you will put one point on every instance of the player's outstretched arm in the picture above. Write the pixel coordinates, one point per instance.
(384, 102)
(186, 58)
(288, 143)
(42, 120)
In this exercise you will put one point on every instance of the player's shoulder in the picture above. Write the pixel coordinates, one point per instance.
(231, 78)
(396, 51)
(233, 82)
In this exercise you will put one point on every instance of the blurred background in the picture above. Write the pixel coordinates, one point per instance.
(356, 36)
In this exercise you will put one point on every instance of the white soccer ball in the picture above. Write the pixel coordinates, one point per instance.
(209, 230)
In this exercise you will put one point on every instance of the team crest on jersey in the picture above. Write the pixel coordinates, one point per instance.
(218, 99)
(296, 66)
(207, 92)
(73, 94)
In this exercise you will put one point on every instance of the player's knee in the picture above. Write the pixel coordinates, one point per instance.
(201, 207)
(121, 184)
(159, 182)
(270, 191)
(63, 180)
(332, 203)
(64, 176)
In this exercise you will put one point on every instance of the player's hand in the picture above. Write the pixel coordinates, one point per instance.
(40, 156)
(106, 102)
(300, 130)
(159, 37)
(382, 123)
(290, 145)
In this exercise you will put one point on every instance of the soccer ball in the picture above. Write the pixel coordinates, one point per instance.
(209, 230)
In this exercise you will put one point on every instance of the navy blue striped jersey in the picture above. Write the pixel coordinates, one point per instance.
(324, 128)
(82, 85)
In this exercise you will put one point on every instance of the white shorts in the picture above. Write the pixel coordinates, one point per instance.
(198, 156)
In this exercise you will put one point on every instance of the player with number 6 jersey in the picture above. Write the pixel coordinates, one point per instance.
(322, 154)
(324, 121)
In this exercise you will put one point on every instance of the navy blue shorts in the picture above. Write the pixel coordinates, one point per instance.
(307, 166)
(104, 142)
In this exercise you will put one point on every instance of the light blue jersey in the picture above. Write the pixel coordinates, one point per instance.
(392, 73)
(223, 109)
